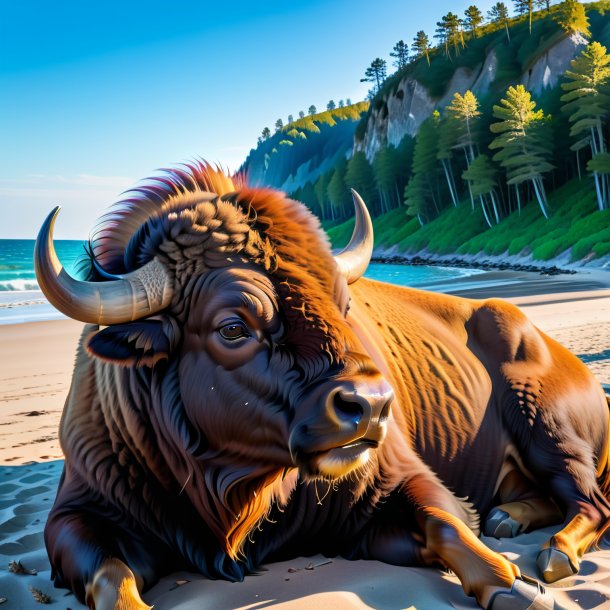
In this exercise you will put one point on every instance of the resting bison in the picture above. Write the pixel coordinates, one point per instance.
(231, 404)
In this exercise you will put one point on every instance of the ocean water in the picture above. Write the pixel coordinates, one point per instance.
(22, 301)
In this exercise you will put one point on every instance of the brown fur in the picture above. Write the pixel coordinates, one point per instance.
(189, 443)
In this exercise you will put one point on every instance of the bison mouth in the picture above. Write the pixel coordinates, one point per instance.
(338, 462)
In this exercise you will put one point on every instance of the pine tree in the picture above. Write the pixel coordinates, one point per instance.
(449, 32)
(523, 145)
(448, 133)
(386, 170)
(375, 73)
(338, 192)
(421, 194)
(404, 163)
(474, 18)
(348, 102)
(312, 110)
(290, 119)
(320, 190)
(499, 14)
(279, 125)
(587, 103)
(525, 6)
(481, 178)
(302, 114)
(465, 109)
(573, 18)
(341, 104)
(544, 4)
(266, 133)
(359, 176)
(307, 195)
(421, 45)
(520, 7)
(400, 53)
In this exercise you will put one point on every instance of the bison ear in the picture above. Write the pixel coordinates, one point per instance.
(141, 343)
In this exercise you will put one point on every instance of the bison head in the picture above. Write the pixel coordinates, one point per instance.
(234, 303)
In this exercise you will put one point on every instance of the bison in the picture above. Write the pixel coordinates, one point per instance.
(233, 402)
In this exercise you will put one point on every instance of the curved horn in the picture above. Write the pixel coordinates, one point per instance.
(355, 257)
(136, 295)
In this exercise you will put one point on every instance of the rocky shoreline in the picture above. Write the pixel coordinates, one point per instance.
(486, 265)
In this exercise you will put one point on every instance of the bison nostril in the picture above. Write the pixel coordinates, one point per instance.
(385, 411)
(347, 408)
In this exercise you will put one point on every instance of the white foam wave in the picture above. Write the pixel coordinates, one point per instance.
(18, 285)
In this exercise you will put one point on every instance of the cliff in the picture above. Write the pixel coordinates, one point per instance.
(403, 107)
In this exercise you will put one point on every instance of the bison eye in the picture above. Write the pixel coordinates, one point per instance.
(234, 330)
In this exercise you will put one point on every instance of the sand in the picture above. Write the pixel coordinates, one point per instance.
(36, 361)
(36, 364)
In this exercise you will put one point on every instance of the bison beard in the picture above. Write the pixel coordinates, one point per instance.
(230, 405)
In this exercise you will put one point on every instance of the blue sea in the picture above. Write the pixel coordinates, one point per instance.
(22, 301)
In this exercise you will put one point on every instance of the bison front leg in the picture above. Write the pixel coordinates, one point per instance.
(495, 582)
(90, 553)
(83, 557)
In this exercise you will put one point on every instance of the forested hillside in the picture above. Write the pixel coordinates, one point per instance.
(304, 149)
(494, 140)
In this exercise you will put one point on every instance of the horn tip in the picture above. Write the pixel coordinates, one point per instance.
(52, 215)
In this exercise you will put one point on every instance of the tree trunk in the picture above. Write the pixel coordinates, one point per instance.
(485, 211)
(448, 177)
(518, 199)
(495, 207)
(540, 195)
(600, 200)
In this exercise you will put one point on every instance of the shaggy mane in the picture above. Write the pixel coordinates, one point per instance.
(195, 219)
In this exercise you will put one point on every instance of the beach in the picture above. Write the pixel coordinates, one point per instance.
(36, 365)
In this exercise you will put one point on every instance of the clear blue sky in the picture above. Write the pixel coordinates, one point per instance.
(95, 96)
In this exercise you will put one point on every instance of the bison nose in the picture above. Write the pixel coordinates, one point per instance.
(351, 404)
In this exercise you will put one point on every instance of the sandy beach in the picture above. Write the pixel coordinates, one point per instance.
(37, 360)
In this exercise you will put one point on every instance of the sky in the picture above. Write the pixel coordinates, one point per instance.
(97, 96)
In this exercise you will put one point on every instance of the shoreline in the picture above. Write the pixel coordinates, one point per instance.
(492, 277)
(452, 260)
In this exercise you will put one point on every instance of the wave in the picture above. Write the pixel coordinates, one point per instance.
(18, 285)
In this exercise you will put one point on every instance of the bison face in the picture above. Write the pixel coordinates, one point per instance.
(233, 377)
(251, 318)
(244, 385)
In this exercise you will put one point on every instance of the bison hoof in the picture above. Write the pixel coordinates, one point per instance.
(500, 524)
(526, 594)
(554, 564)
(114, 588)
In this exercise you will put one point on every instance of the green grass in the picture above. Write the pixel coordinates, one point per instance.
(389, 229)
(575, 223)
